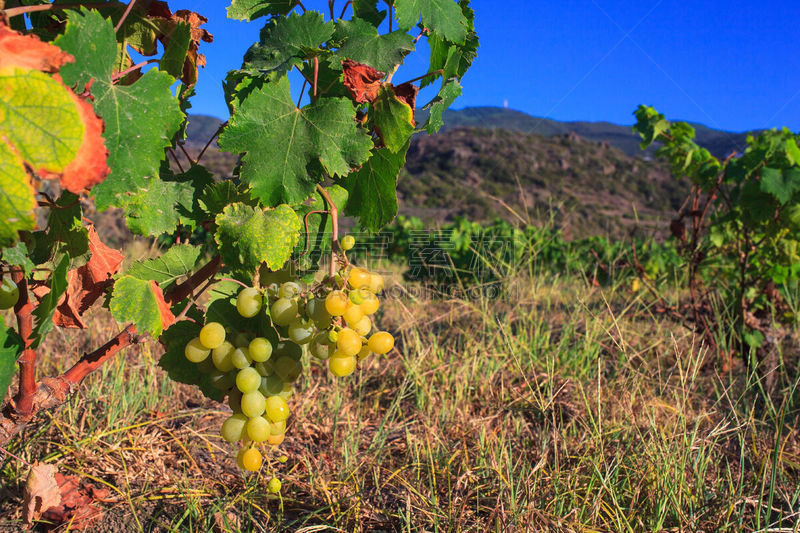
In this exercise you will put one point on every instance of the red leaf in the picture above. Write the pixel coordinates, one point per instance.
(89, 166)
(28, 52)
(41, 492)
(361, 80)
(167, 318)
(79, 503)
(87, 283)
(407, 92)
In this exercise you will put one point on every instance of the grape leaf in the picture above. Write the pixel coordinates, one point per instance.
(320, 226)
(282, 141)
(175, 363)
(251, 9)
(782, 184)
(363, 44)
(43, 126)
(394, 119)
(65, 226)
(43, 314)
(216, 197)
(450, 90)
(248, 236)
(176, 49)
(141, 302)
(361, 81)
(453, 59)
(18, 256)
(11, 347)
(88, 283)
(443, 17)
(285, 42)
(150, 210)
(368, 10)
(373, 196)
(140, 119)
(176, 262)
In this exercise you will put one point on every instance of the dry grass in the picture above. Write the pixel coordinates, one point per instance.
(552, 407)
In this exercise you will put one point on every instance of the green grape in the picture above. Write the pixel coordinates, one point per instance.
(364, 353)
(222, 380)
(336, 303)
(271, 386)
(206, 366)
(274, 485)
(249, 301)
(248, 380)
(288, 369)
(320, 347)
(333, 336)
(283, 458)
(347, 242)
(287, 392)
(277, 409)
(363, 326)
(381, 342)
(233, 428)
(349, 342)
(242, 340)
(241, 358)
(275, 440)
(357, 296)
(221, 356)
(277, 428)
(272, 290)
(252, 459)
(283, 311)
(289, 349)
(359, 278)
(353, 314)
(371, 304)
(342, 366)
(235, 400)
(301, 331)
(316, 311)
(289, 290)
(195, 351)
(212, 335)
(260, 349)
(258, 429)
(375, 283)
(9, 294)
(253, 404)
(239, 456)
(264, 368)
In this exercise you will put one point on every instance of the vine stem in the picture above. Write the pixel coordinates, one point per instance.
(53, 392)
(27, 362)
(246, 286)
(335, 226)
(123, 73)
(211, 140)
(344, 9)
(22, 10)
(124, 15)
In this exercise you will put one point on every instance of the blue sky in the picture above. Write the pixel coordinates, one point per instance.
(732, 65)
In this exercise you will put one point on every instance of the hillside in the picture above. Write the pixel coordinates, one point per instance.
(720, 143)
(588, 184)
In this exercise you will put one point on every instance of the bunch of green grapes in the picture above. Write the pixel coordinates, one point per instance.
(332, 320)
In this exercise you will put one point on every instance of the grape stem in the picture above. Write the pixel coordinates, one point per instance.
(52, 392)
(335, 227)
(124, 16)
(305, 224)
(121, 74)
(235, 281)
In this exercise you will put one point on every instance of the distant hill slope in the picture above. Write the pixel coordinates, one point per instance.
(720, 143)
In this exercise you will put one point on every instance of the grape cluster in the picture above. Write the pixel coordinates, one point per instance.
(331, 320)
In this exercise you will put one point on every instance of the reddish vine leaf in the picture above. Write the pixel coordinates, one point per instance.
(88, 283)
(44, 127)
(407, 92)
(41, 492)
(141, 302)
(362, 81)
(79, 503)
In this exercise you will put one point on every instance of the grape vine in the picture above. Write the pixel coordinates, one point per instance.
(108, 132)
